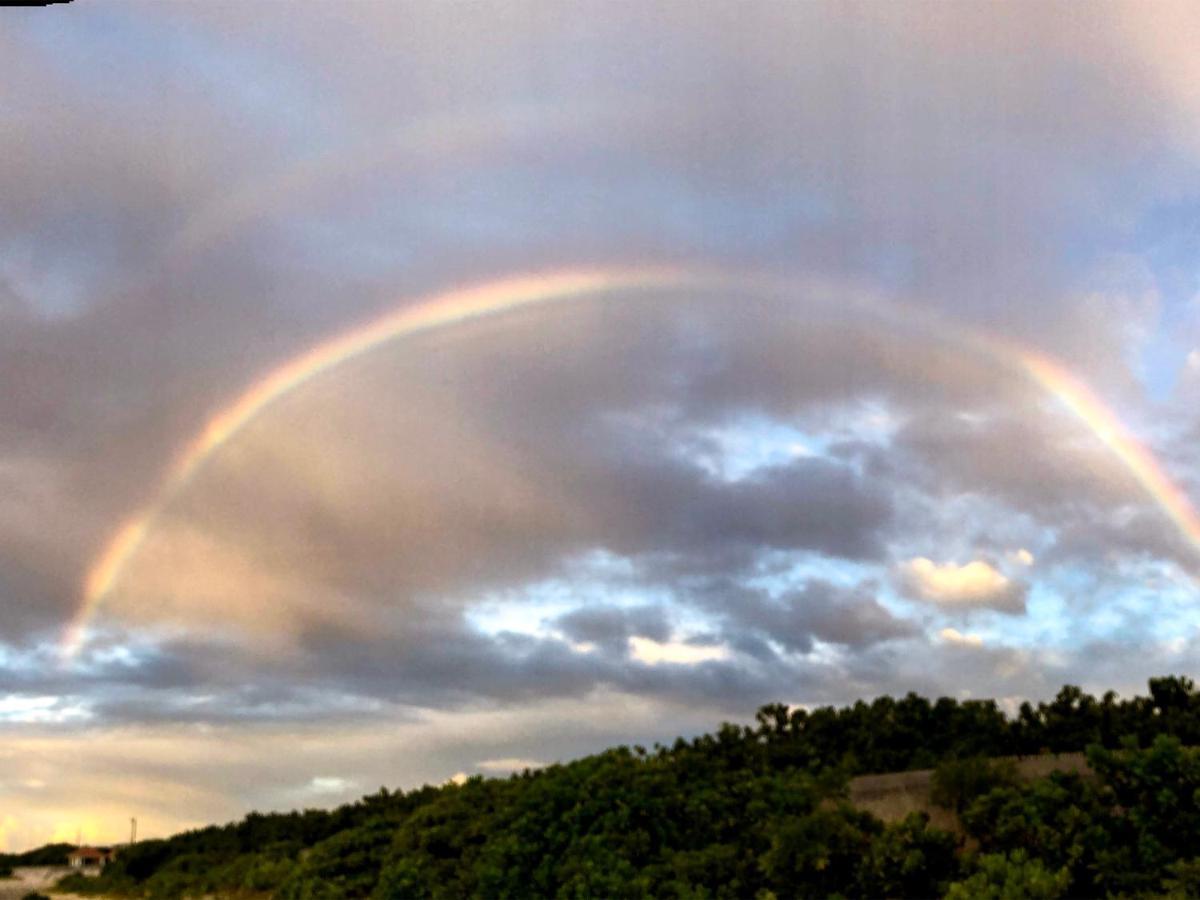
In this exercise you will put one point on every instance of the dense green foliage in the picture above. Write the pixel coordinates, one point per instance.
(758, 812)
(1129, 831)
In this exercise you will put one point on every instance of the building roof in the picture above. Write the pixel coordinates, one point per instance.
(91, 853)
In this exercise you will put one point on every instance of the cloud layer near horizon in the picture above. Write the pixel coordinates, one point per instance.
(612, 520)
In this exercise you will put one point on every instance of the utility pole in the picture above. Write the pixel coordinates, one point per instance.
(132, 832)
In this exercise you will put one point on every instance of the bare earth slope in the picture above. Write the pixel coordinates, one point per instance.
(893, 796)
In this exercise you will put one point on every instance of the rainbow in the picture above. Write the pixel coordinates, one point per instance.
(466, 304)
(1112, 432)
(438, 311)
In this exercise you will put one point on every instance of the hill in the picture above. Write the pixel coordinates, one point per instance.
(49, 855)
(765, 810)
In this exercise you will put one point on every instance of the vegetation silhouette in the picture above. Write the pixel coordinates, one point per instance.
(759, 811)
(49, 855)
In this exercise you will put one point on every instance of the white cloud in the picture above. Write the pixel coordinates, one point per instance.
(652, 652)
(1021, 557)
(330, 785)
(975, 584)
(958, 639)
(17, 708)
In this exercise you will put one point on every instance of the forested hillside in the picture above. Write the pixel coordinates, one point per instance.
(752, 811)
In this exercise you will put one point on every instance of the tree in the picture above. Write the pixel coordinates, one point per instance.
(909, 859)
(1011, 877)
(957, 782)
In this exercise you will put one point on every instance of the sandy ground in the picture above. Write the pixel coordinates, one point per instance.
(34, 879)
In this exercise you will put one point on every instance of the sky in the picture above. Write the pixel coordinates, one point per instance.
(397, 392)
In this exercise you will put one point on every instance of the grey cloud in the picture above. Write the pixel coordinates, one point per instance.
(611, 627)
(318, 497)
(855, 620)
(1039, 465)
(1059, 464)
(817, 610)
(1124, 535)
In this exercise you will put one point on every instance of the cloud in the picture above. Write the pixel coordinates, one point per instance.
(28, 709)
(330, 784)
(956, 638)
(469, 507)
(851, 618)
(677, 653)
(1060, 463)
(1021, 557)
(973, 585)
(614, 627)
(816, 611)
